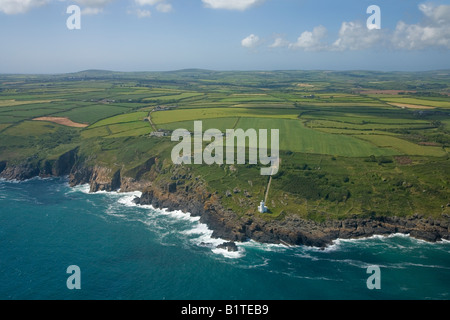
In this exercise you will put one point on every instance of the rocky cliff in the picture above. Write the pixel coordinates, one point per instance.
(180, 191)
(33, 167)
(291, 230)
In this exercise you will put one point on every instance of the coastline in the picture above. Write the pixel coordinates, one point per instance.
(226, 224)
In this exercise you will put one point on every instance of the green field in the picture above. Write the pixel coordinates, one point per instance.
(404, 147)
(123, 118)
(419, 102)
(34, 128)
(91, 114)
(173, 97)
(295, 137)
(368, 126)
(344, 154)
(221, 124)
(132, 132)
(129, 124)
(164, 117)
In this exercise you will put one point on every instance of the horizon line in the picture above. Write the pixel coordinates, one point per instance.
(228, 70)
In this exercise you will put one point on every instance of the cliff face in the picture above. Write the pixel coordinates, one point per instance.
(183, 192)
(291, 230)
(19, 172)
(196, 200)
(44, 168)
(2, 166)
(102, 178)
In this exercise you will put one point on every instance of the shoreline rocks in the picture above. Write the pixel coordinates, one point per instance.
(293, 230)
(226, 224)
(229, 246)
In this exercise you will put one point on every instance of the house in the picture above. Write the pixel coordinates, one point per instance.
(157, 134)
(164, 108)
(160, 133)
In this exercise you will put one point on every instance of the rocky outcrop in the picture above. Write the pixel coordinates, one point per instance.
(99, 178)
(2, 166)
(22, 171)
(294, 230)
(188, 194)
(196, 202)
(104, 179)
(291, 230)
(33, 167)
(128, 184)
(229, 246)
(61, 166)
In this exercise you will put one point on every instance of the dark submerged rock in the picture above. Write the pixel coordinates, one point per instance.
(229, 246)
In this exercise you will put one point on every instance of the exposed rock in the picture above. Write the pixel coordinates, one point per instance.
(2, 166)
(33, 167)
(292, 229)
(104, 179)
(59, 167)
(63, 166)
(173, 187)
(137, 200)
(431, 236)
(229, 246)
(225, 223)
(128, 184)
(20, 172)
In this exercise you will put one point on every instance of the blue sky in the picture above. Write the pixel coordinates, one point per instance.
(158, 35)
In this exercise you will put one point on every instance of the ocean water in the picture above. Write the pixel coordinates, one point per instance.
(126, 251)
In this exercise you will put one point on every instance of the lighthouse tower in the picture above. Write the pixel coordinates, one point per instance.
(262, 207)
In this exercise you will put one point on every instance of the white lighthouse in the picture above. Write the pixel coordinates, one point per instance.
(262, 207)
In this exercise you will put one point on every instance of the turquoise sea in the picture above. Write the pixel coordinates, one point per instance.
(130, 252)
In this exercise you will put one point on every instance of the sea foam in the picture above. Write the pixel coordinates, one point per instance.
(199, 233)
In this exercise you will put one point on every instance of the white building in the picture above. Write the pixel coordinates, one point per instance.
(262, 207)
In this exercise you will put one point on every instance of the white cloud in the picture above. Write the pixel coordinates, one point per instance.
(94, 3)
(142, 13)
(311, 40)
(356, 36)
(161, 5)
(279, 42)
(91, 10)
(433, 31)
(164, 7)
(93, 6)
(438, 15)
(146, 2)
(251, 41)
(20, 6)
(240, 5)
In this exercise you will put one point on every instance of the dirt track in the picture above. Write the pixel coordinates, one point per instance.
(63, 121)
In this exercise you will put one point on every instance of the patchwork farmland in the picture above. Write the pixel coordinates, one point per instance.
(356, 145)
